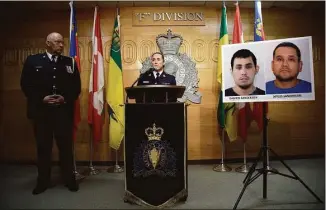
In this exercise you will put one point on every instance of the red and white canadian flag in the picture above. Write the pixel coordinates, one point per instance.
(245, 113)
(96, 82)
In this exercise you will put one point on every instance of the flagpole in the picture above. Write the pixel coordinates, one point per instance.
(116, 168)
(222, 167)
(244, 168)
(91, 168)
(73, 53)
(78, 176)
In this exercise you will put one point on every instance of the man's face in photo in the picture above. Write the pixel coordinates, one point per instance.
(157, 62)
(244, 72)
(286, 65)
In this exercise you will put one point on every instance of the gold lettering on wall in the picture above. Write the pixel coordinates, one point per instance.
(146, 49)
(17, 56)
(174, 16)
(10, 57)
(90, 52)
(185, 48)
(107, 51)
(129, 52)
(23, 54)
(198, 50)
(213, 46)
(81, 55)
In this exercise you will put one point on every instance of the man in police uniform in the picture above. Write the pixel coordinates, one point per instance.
(51, 83)
(156, 76)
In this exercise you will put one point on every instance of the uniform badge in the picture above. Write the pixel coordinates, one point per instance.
(145, 81)
(69, 70)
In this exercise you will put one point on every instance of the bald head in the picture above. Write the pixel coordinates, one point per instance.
(53, 36)
(54, 43)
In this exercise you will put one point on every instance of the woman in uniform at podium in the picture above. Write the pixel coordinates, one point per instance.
(156, 75)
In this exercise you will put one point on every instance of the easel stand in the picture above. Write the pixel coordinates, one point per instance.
(265, 170)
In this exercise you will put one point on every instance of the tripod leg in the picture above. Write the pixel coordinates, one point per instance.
(265, 173)
(253, 167)
(256, 176)
(296, 176)
(248, 181)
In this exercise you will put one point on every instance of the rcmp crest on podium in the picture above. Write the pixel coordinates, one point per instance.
(154, 156)
(177, 64)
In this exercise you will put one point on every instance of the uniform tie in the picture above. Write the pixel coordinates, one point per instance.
(157, 78)
(54, 58)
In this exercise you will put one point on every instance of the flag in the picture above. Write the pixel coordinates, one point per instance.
(226, 111)
(245, 117)
(74, 53)
(227, 118)
(259, 35)
(224, 39)
(114, 90)
(96, 82)
(245, 113)
(237, 26)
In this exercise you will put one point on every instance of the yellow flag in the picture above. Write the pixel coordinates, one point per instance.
(115, 91)
(226, 111)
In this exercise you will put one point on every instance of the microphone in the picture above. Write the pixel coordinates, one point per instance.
(136, 80)
(140, 76)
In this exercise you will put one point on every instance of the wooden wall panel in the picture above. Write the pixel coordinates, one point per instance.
(295, 128)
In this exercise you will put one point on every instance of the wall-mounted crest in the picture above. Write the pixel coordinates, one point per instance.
(177, 64)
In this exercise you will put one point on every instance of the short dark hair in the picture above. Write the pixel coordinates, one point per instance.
(159, 53)
(289, 44)
(243, 53)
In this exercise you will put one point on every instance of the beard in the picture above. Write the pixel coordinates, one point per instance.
(244, 87)
(286, 79)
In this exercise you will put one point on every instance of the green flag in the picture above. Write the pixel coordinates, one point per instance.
(227, 118)
(224, 39)
(115, 91)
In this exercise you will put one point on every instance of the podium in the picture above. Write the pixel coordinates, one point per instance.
(155, 93)
(156, 172)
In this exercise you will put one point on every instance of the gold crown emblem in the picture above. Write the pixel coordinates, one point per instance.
(154, 133)
(169, 43)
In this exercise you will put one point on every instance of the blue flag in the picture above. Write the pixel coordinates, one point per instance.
(73, 32)
(259, 34)
(74, 53)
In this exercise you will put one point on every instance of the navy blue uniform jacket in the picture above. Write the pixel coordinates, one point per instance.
(148, 78)
(40, 76)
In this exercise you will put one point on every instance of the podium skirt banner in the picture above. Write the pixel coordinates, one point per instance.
(156, 154)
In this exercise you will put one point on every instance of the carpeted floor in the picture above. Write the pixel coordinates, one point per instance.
(207, 189)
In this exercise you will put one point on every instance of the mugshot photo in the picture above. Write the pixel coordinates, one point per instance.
(291, 66)
(243, 71)
(272, 70)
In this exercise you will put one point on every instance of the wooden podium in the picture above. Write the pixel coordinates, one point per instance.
(156, 172)
(155, 93)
